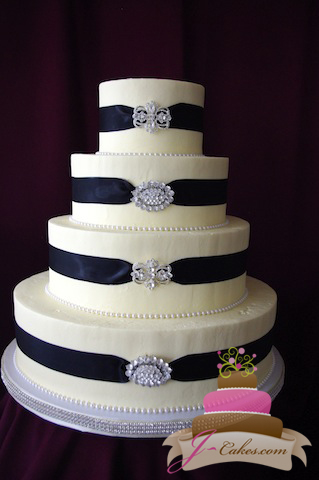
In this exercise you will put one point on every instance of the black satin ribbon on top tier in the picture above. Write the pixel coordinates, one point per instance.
(113, 271)
(117, 191)
(185, 116)
(110, 368)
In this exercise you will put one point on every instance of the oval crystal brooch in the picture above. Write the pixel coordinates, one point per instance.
(152, 196)
(148, 371)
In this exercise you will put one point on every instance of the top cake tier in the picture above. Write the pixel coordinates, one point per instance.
(151, 115)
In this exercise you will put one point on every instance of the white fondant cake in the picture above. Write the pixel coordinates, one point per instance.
(147, 265)
(135, 92)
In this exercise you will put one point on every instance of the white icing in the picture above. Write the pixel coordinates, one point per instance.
(149, 315)
(130, 215)
(135, 92)
(148, 229)
(137, 299)
(138, 168)
(134, 246)
(53, 322)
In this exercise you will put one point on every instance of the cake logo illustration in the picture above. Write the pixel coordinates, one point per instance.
(237, 425)
(234, 362)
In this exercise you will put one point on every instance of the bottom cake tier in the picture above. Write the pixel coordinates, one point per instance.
(82, 356)
(106, 421)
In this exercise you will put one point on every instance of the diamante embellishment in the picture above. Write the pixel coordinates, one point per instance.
(151, 273)
(152, 196)
(152, 117)
(148, 371)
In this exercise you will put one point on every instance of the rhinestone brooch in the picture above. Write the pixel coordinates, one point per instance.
(148, 371)
(152, 196)
(152, 117)
(151, 273)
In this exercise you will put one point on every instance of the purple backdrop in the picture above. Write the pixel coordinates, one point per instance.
(258, 61)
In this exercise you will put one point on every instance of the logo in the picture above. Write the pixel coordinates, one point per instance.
(237, 425)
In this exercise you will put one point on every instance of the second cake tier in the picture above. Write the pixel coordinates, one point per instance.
(157, 191)
(146, 274)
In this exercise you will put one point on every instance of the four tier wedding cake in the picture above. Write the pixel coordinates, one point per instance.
(147, 278)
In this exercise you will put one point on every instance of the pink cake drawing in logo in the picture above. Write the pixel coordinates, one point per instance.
(236, 425)
(237, 405)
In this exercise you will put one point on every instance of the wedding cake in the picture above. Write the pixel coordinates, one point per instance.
(147, 277)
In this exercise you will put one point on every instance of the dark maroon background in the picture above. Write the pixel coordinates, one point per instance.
(258, 61)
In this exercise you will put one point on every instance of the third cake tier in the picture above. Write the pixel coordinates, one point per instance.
(148, 273)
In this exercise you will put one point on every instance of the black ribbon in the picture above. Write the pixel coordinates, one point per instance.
(113, 271)
(117, 191)
(120, 117)
(110, 368)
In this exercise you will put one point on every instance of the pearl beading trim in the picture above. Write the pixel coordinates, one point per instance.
(109, 408)
(147, 229)
(146, 315)
(146, 154)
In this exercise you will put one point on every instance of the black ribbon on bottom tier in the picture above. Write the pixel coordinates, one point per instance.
(110, 368)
